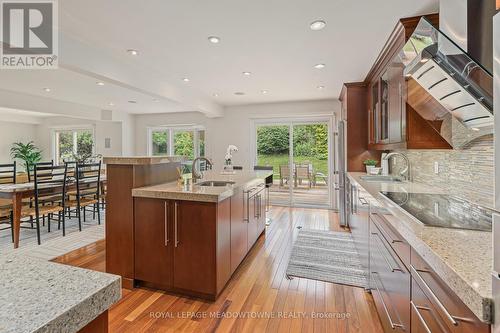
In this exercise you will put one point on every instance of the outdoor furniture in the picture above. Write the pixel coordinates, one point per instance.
(284, 174)
(303, 172)
(322, 176)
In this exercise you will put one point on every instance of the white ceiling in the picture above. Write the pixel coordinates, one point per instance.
(271, 39)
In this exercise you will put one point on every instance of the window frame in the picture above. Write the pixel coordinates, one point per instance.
(74, 130)
(171, 130)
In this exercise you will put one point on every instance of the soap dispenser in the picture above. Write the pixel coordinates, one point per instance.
(384, 164)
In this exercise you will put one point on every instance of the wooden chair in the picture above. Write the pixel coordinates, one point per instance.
(7, 176)
(50, 196)
(284, 174)
(303, 172)
(88, 191)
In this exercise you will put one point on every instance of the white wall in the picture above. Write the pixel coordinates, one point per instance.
(14, 132)
(235, 127)
(102, 130)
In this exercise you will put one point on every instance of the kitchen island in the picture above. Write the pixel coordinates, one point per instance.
(41, 296)
(190, 239)
(449, 270)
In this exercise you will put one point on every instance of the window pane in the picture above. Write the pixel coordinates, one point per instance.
(201, 139)
(64, 146)
(84, 143)
(160, 142)
(184, 144)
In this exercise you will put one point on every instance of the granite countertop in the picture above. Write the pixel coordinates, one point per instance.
(462, 258)
(41, 296)
(141, 160)
(174, 191)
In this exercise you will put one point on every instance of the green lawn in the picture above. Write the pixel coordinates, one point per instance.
(276, 160)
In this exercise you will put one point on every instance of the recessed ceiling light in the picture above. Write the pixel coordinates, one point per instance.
(247, 73)
(215, 95)
(185, 79)
(318, 25)
(321, 87)
(133, 52)
(111, 104)
(239, 93)
(46, 89)
(214, 39)
(264, 92)
(319, 66)
(132, 102)
(100, 83)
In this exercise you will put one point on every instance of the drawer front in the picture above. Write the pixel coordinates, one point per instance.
(390, 283)
(452, 311)
(395, 240)
(424, 316)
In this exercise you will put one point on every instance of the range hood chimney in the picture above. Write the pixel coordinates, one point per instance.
(446, 86)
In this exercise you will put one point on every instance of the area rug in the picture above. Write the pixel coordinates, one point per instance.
(327, 256)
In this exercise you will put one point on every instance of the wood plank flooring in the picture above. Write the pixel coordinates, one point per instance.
(259, 298)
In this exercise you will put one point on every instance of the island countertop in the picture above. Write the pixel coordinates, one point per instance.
(461, 258)
(140, 160)
(41, 296)
(175, 191)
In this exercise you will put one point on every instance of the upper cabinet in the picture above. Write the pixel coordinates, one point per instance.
(392, 123)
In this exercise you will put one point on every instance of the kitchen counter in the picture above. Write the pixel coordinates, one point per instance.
(41, 296)
(462, 258)
(175, 191)
(140, 160)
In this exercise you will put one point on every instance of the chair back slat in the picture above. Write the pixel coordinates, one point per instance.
(88, 180)
(50, 185)
(8, 173)
(41, 164)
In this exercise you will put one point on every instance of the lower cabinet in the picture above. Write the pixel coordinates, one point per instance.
(192, 247)
(408, 294)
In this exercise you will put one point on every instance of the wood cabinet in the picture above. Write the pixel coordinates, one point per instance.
(408, 294)
(393, 123)
(192, 247)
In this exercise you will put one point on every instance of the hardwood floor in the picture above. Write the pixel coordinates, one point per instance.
(259, 291)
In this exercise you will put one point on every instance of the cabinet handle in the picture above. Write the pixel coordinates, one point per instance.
(393, 325)
(433, 296)
(255, 206)
(392, 240)
(392, 269)
(166, 224)
(420, 317)
(176, 241)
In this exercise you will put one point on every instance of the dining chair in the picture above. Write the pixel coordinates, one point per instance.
(303, 172)
(7, 176)
(50, 196)
(29, 171)
(88, 191)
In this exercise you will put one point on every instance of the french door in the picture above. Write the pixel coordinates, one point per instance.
(299, 151)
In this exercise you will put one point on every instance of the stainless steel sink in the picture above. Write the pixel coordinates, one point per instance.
(215, 183)
(380, 178)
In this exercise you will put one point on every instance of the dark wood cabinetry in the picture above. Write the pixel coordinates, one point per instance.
(408, 294)
(392, 122)
(192, 247)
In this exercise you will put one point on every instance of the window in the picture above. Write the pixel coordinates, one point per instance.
(73, 142)
(184, 141)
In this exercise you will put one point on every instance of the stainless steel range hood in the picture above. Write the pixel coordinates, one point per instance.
(446, 86)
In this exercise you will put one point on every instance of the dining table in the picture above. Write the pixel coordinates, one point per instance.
(19, 191)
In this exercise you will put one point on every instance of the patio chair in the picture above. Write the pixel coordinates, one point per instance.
(303, 172)
(284, 174)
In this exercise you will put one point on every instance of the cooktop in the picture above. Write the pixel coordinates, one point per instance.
(442, 210)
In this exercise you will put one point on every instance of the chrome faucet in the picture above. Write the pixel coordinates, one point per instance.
(196, 174)
(406, 173)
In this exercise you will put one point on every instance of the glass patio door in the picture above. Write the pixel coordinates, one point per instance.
(299, 155)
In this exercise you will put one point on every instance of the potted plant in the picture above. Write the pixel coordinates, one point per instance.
(26, 152)
(370, 164)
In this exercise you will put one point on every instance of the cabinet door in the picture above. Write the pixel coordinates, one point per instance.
(424, 317)
(261, 208)
(384, 109)
(153, 244)
(194, 246)
(374, 114)
(239, 229)
(397, 103)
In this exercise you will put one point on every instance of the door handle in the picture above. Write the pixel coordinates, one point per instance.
(166, 223)
(176, 235)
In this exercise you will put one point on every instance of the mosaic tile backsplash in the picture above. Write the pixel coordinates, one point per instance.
(466, 173)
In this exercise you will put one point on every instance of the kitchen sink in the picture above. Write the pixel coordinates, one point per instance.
(380, 178)
(215, 183)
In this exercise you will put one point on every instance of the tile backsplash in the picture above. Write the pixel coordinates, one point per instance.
(466, 172)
